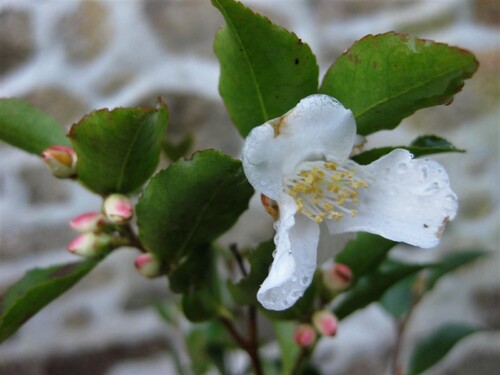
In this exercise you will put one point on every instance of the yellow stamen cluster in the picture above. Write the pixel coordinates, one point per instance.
(325, 190)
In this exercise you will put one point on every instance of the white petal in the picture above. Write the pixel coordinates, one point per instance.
(318, 128)
(330, 245)
(294, 261)
(407, 200)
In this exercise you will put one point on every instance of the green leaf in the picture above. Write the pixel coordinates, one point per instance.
(399, 298)
(365, 253)
(204, 302)
(385, 78)
(434, 347)
(434, 142)
(206, 345)
(373, 286)
(424, 145)
(184, 275)
(36, 290)
(28, 128)
(245, 291)
(289, 350)
(118, 150)
(450, 263)
(196, 344)
(265, 69)
(191, 203)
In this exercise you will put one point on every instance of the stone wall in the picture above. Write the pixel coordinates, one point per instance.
(69, 57)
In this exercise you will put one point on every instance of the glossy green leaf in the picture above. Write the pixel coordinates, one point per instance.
(424, 145)
(191, 203)
(451, 263)
(203, 302)
(184, 275)
(385, 78)
(28, 128)
(373, 286)
(365, 253)
(245, 291)
(434, 347)
(36, 290)
(265, 69)
(118, 150)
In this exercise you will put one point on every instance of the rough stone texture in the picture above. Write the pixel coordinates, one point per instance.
(487, 303)
(206, 119)
(96, 362)
(62, 105)
(21, 242)
(183, 27)
(85, 33)
(329, 11)
(96, 54)
(42, 187)
(487, 11)
(16, 39)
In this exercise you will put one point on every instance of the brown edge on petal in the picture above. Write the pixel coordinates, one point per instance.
(440, 231)
(277, 123)
(271, 206)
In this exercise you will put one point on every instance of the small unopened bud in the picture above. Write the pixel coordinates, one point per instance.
(61, 161)
(337, 277)
(88, 222)
(88, 245)
(325, 322)
(305, 335)
(118, 208)
(148, 265)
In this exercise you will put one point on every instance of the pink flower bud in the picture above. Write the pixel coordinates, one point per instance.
(61, 161)
(118, 208)
(90, 244)
(325, 322)
(88, 222)
(305, 335)
(148, 265)
(338, 277)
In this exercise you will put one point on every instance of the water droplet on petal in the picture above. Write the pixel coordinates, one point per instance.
(304, 280)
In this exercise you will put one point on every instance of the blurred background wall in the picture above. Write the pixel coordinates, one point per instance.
(71, 56)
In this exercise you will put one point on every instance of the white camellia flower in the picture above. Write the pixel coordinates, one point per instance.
(300, 160)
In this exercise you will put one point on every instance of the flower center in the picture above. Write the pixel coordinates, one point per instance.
(325, 190)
